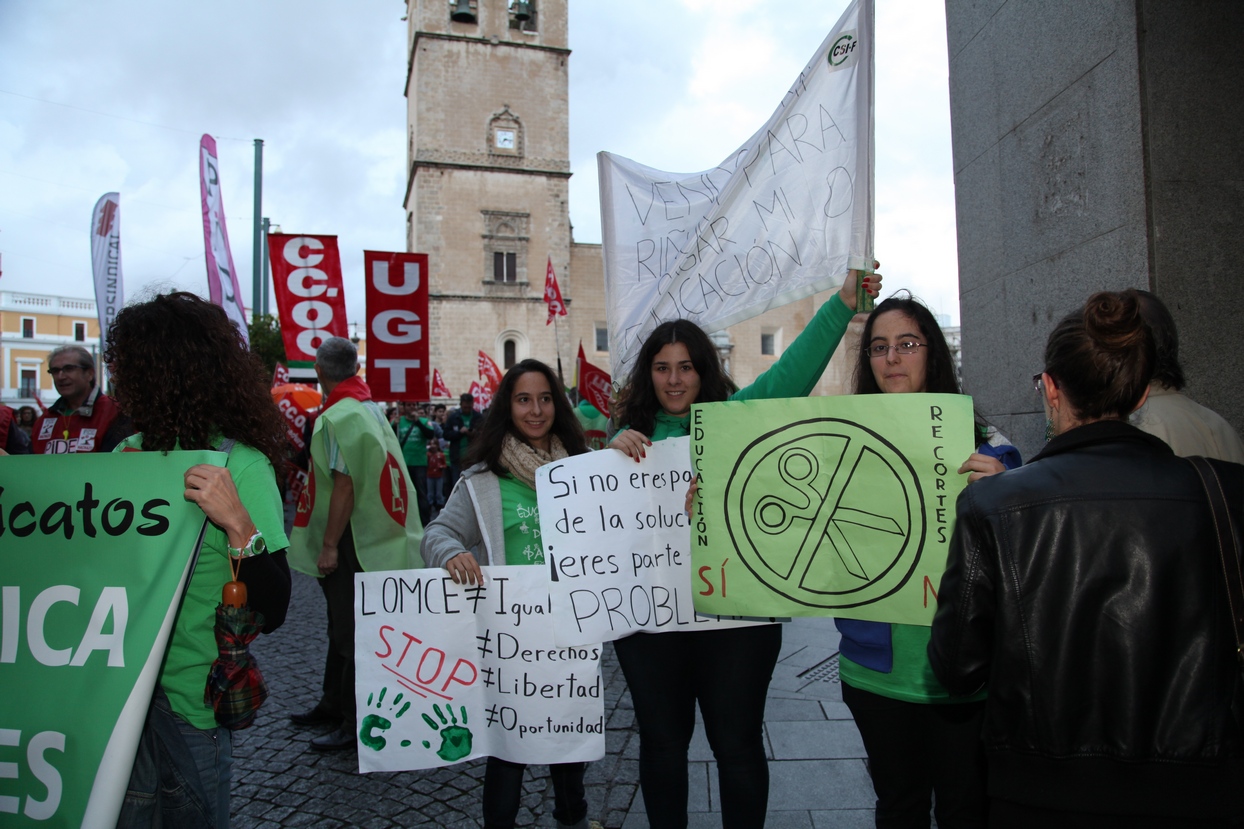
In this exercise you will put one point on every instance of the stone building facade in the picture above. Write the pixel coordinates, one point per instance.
(487, 197)
(1097, 146)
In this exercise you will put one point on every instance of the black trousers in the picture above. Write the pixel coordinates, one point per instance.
(727, 672)
(338, 588)
(503, 789)
(916, 751)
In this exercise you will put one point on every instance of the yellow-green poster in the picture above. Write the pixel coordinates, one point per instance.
(93, 552)
(827, 506)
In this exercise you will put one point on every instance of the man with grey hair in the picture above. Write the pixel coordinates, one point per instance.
(1187, 427)
(83, 419)
(358, 513)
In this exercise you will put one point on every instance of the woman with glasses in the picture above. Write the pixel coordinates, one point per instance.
(1086, 591)
(726, 671)
(921, 742)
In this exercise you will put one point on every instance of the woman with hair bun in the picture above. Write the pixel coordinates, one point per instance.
(1085, 592)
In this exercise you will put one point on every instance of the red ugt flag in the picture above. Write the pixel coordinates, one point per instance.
(595, 385)
(439, 389)
(490, 371)
(553, 294)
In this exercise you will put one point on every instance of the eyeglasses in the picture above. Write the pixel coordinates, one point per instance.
(55, 370)
(905, 347)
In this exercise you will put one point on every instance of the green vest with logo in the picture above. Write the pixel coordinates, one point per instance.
(385, 520)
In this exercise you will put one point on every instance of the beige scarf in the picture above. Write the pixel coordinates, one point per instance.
(522, 459)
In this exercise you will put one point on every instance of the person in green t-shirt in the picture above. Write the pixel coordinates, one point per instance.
(529, 424)
(182, 372)
(924, 747)
(414, 430)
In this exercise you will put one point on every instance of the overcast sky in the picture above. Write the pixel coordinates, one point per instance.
(97, 97)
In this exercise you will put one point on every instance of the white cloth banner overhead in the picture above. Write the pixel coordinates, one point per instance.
(448, 672)
(222, 279)
(783, 217)
(106, 260)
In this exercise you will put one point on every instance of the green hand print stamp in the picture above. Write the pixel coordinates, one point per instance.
(455, 739)
(371, 732)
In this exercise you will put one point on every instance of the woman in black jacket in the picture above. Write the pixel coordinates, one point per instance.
(1085, 591)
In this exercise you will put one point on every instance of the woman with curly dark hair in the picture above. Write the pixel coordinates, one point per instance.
(182, 371)
(529, 424)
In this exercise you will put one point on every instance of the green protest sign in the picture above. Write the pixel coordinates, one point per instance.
(827, 506)
(93, 552)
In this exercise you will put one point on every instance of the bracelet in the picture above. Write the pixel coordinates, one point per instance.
(254, 546)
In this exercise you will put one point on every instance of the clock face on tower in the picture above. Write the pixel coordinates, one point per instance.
(505, 139)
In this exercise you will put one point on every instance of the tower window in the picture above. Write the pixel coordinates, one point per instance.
(79, 332)
(602, 337)
(504, 267)
(510, 354)
(766, 344)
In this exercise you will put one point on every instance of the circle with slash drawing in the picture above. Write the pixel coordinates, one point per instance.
(827, 513)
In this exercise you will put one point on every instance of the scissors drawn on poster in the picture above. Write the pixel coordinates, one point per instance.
(842, 511)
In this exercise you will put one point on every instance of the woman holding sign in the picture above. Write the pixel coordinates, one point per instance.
(183, 372)
(920, 740)
(529, 424)
(727, 671)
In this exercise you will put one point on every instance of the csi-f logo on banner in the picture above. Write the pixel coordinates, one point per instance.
(397, 312)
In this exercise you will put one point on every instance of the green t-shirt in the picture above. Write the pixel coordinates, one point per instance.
(910, 678)
(414, 442)
(520, 519)
(192, 646)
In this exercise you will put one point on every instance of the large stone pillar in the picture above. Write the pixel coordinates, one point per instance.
(1096, 146)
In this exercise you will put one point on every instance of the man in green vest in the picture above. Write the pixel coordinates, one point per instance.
(357, 513)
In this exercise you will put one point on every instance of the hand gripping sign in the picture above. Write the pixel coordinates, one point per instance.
(843, 508)
(449, 672)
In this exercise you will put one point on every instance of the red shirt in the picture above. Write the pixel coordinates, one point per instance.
(81, 430)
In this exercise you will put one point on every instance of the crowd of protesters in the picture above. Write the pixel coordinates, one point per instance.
(1060, 684)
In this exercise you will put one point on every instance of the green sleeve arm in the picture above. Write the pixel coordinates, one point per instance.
(801, 365)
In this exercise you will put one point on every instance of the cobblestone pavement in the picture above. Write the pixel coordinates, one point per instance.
(279, 781)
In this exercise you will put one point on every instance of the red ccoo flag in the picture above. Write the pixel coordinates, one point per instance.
(553, 294)
(490, 371)
(439, 389)
(482, 396)
(595, 385)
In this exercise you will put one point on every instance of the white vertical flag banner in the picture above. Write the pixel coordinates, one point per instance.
(783, 217)
(106, 260)
(222, 279)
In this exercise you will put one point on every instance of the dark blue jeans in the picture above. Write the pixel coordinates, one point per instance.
(181, 774)
(503, 788)
(728, 673)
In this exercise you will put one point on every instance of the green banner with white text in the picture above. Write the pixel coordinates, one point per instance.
(827, 506)
(93, 553)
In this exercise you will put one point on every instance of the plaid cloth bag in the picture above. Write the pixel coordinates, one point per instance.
(235, 687)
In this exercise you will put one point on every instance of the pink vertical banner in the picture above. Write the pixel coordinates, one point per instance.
(222, 279)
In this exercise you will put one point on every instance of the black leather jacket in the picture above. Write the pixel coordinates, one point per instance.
(1085, 590)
